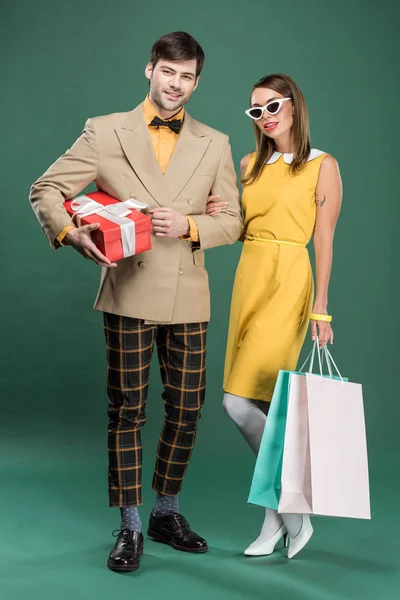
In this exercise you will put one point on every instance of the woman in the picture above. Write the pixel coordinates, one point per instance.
(290, 193)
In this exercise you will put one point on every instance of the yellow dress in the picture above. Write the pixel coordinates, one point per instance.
(273, 290)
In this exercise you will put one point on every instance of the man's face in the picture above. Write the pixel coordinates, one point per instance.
(171, 84)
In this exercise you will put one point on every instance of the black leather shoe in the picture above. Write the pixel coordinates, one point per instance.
(174, 530)
(125, 556)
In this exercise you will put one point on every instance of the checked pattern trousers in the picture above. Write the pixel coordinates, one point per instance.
(181, 353)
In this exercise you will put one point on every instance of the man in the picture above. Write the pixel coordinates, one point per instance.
(166, 159)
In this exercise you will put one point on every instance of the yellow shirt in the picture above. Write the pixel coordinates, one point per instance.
(164, 141)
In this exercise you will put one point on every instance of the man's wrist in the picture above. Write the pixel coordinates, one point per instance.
(186, 234)
(61, 238)
(192, 232)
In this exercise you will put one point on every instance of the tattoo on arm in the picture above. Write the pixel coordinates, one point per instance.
(320, 203)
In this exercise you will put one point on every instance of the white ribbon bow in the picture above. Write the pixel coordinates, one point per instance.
(83, 206)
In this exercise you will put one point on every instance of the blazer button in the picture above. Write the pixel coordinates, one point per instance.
(180, 271)
(142, 264)
(190, 201)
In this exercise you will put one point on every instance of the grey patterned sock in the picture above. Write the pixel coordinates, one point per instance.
(165, 505)
(130, 518)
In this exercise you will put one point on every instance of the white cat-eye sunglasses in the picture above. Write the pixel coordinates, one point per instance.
(272, 108)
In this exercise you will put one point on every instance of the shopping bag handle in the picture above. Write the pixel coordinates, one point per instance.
(329, 360)
(311, 358)
(325, 354)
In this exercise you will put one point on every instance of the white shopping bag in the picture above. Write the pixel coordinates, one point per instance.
(325, 465)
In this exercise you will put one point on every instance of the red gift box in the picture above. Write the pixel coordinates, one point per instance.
(123, 230)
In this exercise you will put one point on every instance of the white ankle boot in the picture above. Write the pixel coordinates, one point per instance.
(265, 545)
(298, 542)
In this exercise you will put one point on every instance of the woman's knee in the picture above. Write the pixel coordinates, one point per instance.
(236, 407)
(227, 403)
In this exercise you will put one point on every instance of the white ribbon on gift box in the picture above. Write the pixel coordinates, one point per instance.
(83, 206)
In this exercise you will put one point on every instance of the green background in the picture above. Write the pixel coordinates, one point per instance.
(65, 62)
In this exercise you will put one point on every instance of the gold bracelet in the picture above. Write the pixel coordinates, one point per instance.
(317, 317)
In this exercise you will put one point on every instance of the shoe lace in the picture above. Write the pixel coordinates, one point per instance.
(127, 534)
(181, 521)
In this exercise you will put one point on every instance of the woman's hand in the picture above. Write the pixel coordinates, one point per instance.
(214, 205)
(323, 330)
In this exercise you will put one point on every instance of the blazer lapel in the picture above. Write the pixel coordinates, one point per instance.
(136, 144)
(189, 151)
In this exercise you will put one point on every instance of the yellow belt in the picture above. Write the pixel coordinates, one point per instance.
(253, 238)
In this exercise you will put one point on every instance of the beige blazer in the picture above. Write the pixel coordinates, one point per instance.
(168, 284)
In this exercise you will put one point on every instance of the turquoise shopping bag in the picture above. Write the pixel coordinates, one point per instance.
(266, 484)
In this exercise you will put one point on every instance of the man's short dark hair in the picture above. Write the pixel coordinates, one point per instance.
(178, 45)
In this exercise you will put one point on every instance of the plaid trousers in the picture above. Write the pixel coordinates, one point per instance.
(182, 357)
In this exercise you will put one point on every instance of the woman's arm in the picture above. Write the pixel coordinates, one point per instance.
(244, 163)
(328, 199)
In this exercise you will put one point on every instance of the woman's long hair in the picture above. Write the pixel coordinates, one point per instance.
(265, 146)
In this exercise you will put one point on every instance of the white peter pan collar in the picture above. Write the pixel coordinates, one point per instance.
(288, 158)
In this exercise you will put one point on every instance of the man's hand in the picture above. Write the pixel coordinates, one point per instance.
(168, 223)
(80, 239)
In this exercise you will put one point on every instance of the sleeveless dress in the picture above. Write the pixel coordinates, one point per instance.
(273, 290)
